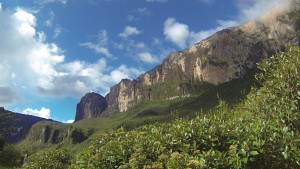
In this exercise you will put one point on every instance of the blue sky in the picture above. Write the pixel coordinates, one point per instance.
(54, 51)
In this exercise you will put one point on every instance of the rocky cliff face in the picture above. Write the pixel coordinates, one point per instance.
(55, 133)
(224, 56)
(90, 106)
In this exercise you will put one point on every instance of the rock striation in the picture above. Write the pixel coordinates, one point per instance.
(90, 106)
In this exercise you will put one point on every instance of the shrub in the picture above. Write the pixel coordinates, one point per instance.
(58, 159)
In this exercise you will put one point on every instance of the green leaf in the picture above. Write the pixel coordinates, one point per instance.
(253, 153)
(245, 160)
(242, 152)
(285, 155)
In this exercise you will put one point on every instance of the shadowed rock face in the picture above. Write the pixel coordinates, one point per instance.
(90, 106)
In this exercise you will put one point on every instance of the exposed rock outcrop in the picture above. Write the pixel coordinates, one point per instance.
(90, 106)
(55, 133)
(224, 56)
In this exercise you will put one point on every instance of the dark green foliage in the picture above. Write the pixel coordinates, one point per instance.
(56, 159)
(10, 156)
(78, 136)
(260, 133)
(6, 125)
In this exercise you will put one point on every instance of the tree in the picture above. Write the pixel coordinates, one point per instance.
(7, 121)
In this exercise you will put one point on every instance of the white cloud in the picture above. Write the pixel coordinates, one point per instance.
(0, 6)
(30, 66)
(44, 112)
(123, 72)
(26, 22)
(129, 31)
(69, 121)
(161, 1)
(176, 32)
(179, 33)
(148, 58)
(99, 46)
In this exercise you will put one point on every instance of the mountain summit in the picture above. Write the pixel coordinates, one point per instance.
(90, 106)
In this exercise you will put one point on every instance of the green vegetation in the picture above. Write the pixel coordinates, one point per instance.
(9, 156)
(6, 125)
(58, 159)
(141, 114)
(260, 132)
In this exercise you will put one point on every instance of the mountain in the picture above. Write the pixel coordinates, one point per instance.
(90, 106)
(23, 125)
(229, 54)
(186, 82)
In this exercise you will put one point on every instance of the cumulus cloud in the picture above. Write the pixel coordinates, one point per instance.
(180, 34)
(129, 31)
(44, 112)
(176, 32)
(69, 121)
(29, 62)
(99, 46)
(148, 58)
(123, 72)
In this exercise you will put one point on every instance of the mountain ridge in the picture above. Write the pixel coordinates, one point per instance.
(23, 124)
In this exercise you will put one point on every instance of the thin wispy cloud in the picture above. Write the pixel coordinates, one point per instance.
(129, 31)
(138, 14)
(49, 21)
(99, 47)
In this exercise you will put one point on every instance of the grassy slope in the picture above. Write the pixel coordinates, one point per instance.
(148, 113)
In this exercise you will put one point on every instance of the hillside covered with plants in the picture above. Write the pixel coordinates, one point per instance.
(260, 132)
